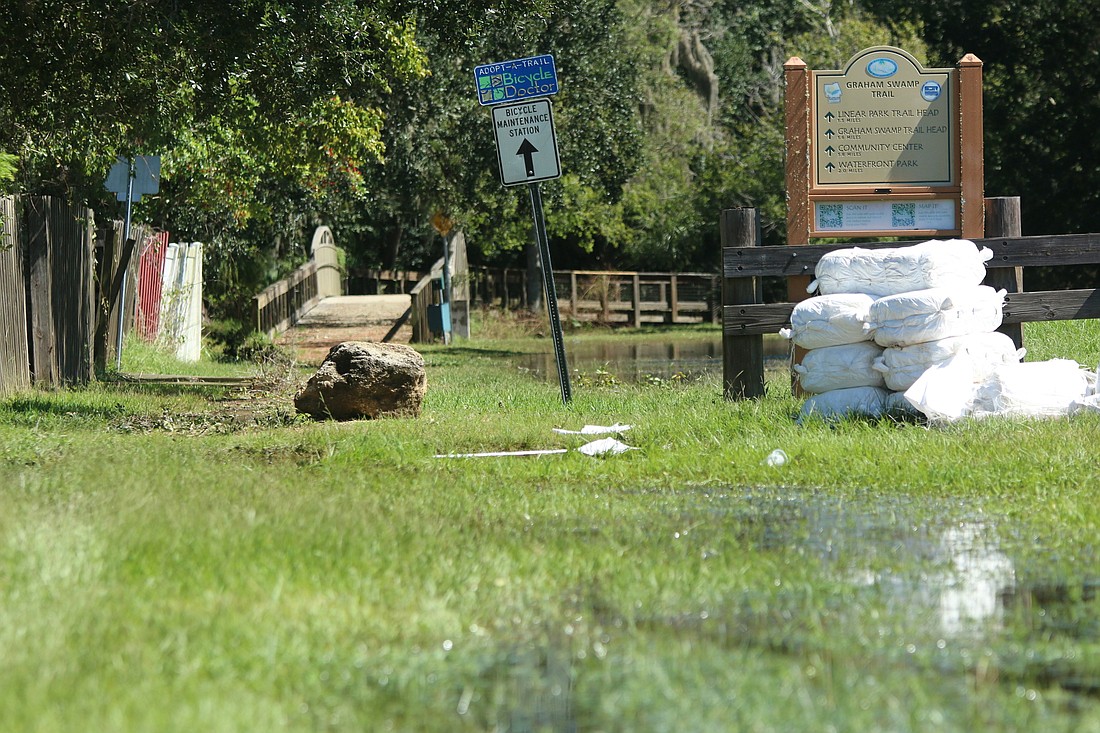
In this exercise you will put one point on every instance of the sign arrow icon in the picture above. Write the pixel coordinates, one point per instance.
(829, 167)
(829, 134)
(829, 116)
(527, 150)
(830, 150)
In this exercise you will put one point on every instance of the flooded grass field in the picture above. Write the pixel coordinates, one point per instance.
(164, 567)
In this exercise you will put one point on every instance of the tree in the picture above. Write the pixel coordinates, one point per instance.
(265, 111)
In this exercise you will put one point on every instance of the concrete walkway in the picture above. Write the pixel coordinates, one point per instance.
(347, 318)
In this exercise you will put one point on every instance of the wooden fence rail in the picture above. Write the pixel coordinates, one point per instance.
(280, 305)
(745, 318)
(614, 297)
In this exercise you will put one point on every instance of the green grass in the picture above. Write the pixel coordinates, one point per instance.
(165, 567)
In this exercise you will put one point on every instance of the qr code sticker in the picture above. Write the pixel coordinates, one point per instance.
(830, 216)
(903, 216)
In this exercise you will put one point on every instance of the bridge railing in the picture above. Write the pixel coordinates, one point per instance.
(280, 305)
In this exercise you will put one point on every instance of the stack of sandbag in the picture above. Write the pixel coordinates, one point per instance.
(923, 328)
(837, 369)
(927, 305)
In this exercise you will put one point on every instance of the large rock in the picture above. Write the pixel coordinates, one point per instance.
(365, 379)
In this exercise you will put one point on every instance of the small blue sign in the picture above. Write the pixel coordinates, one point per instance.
(882, 68)
(516, 80)
(930, 91)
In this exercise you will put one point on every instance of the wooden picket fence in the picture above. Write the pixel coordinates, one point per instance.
(61, 283)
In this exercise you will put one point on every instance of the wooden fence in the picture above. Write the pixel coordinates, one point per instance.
(116, 285)
(61, 276)
(47, 293)
(15, 370)
(280, 305)
(383, 282)
(746, 318)
(612, 297)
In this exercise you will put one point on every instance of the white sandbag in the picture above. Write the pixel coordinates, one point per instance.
(881, 272)
(935, 313)
(957, 388)
(898, 406)
(851, 402)
(946, 391)
(901, 366)
(840, 367)
(830, 320)
(1035, 389)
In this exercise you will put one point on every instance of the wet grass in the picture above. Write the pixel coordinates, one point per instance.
(292, 575)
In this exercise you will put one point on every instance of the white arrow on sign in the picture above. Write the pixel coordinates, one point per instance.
(527, 148)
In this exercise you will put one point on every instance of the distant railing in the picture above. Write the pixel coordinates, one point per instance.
(280, 305)
(383, 282)
(613, 297)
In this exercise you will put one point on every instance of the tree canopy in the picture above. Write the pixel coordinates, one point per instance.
(273, 116)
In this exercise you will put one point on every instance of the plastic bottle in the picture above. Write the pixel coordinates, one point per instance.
(776, 458)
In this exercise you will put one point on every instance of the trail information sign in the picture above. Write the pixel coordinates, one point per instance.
(884, 120)
(510, 81)
(527, 147)
(884, 147)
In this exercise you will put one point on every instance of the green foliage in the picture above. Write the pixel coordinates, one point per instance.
(8, 164)
(275, 116)
(1041, 104)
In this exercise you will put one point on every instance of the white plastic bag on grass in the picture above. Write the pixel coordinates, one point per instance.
(1091, 401)
(851, 402)
(946, 391)
(830, 320)
(881, 272)
(840, 367)
(901, 366)
(1034, 389)
(935, 313)
(959, 388)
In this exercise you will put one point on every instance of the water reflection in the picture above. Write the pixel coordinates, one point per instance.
(956, 573)
(684, 358)
(972, 588)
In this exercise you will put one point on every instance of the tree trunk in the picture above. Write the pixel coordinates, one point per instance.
(534, 278)
(391, 246)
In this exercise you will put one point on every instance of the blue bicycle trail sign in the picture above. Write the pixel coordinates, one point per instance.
(516, 80)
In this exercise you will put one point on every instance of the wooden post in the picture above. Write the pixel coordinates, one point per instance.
(674, 299)
(43, 354)
(1002, 219)
(798, 165)
(971, 148)
(573, 293)
(637, 297)
(797, 112)
(742, 356)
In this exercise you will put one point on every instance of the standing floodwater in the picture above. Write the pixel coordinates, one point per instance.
(639, 361)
